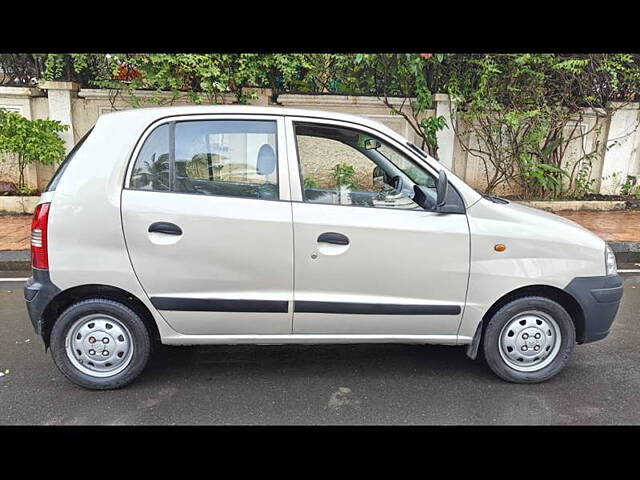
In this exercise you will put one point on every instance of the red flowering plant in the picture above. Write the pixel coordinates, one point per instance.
(126, 73)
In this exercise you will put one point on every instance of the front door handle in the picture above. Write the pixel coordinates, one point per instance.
(165, 227)
(333, 237)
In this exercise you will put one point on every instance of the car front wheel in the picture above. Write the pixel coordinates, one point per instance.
(529, 340)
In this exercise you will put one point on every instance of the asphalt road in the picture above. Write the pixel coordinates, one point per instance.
(336, 384)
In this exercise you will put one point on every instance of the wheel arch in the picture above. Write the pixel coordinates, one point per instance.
(68, 297)
(565, 299)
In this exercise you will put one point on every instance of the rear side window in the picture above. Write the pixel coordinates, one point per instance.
(236, 158)
(53, 183)
(226, 157)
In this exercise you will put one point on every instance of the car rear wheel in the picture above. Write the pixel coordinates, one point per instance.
(529, 340)
(100, 344)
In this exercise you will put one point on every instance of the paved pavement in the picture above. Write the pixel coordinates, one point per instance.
(612, 226)
(336, 384)
(15, 232)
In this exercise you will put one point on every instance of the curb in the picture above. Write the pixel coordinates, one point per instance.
(13, 260)
(626, 252)
(576, 205)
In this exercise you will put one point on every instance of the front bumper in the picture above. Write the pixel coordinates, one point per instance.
(38, 293)
(599, 298)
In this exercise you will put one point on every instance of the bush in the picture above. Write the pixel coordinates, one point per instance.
(31, 141)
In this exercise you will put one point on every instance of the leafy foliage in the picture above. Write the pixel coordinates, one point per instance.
(521, 114)
(404, 83)
(345, 176)
(30, 140)
(310, 182)
(630, 188)
(518, 114)
(201, 77)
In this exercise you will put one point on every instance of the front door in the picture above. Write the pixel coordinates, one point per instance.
(369, 260)
(207, 222)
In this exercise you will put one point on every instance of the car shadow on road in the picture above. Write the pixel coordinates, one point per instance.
(300, 360)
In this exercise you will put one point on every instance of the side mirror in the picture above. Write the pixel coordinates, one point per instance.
(441, 189)
(371, 144)
(444, 201)
(379, 177)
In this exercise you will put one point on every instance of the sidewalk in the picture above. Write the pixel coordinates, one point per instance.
(612, 226)
(15, 238)
(621, 229)
(15, 232)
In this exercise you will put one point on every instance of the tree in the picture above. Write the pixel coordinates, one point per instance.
(20, 69)
(411, 77)
(30, 140)
(520, 114)
(208, 75)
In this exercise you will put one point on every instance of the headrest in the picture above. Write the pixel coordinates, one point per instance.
(266, 163)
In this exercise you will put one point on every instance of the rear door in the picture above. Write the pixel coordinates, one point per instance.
(207, 221)
(369, 260)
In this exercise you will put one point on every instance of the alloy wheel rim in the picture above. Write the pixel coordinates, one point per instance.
(99, 345)
(529, 341)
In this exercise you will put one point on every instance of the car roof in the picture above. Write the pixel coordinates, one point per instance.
(151, 114)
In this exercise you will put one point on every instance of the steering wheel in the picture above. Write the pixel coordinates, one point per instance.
(396, 183)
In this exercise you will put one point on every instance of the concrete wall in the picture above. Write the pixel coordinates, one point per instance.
(617, 140)
(622, 156)
(589, 134)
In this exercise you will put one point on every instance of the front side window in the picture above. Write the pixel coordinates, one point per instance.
(211, 157)
(342, 166)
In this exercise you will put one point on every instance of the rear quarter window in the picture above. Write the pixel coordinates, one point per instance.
(151, 170)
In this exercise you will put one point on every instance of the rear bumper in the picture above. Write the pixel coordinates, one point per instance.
(599, 298)
(38, 293)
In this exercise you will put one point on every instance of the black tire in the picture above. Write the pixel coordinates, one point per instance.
(491, 339)
(141, 340)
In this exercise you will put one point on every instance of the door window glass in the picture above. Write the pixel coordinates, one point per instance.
(342, 166)
(227, 157)
(151, 170)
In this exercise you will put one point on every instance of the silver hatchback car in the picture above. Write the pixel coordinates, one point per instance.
(230, 225)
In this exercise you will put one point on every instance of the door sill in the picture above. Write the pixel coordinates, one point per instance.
(296, 338)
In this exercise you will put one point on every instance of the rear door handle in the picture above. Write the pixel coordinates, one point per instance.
(333, 237)
(165, 227)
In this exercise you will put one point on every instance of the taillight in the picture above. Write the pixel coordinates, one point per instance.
(39, 253)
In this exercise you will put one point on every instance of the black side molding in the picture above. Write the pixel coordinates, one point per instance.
(375, 308)
(219, 305)
(276, 306)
